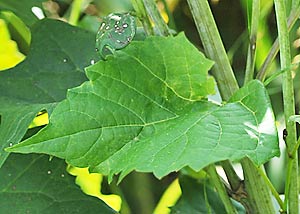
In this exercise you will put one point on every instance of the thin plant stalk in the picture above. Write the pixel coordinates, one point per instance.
(271, 187)
(255, 14)
(141, 13)
(75, 11)
(263, 71)
(211, 170)
(292, 187)
(214, 47)
(159, 23)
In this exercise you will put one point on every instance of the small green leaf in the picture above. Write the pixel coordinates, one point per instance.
(143, 110)
(55, 63)
(33, 184)
(199, 198)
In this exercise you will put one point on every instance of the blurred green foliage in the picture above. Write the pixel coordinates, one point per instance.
(232, 23)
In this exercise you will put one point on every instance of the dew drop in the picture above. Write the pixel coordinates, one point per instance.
(253, 47)
(9, 175)
(65, 60)
(62, 175)
(10, 144)
(125, 25)
(92, 62)
(49, 172)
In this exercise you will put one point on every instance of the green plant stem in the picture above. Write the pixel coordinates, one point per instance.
(278, 73)
(259, 195)
(227, 84)
(295, 149)
(159, 23)
(292, 190)
(233, 179)
(271, 187)
(263, 71)
(211, 170)
(236, 45)
(75, 12)
(222, 70)
(141, 13)
(170, 15)
(255, 14)
(213, 47)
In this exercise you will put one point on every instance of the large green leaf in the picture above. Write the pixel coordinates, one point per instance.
(142, 110)
(22, 9)
(55, 63)
(33, 184)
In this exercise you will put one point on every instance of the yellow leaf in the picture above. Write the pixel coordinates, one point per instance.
(90, 184)
(9, 53)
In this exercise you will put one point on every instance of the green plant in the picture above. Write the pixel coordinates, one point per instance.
(143, 108)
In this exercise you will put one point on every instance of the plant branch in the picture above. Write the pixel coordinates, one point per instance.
(292, 189)
(211, 170)
(263, 71)
(75, 11)
(259, 195)
(213, 47)
(271, 187)
(233, 179)
(159, 23)
(255, 14)
(141, 13)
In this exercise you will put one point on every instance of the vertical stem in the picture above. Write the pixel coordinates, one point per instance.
(227, 84)
(259, 195)
(292, 189)
(233, 179)
(262, 73)
(152, 10)
(75, 12)
(140, 10)
(211, 170)
(222, 70)
(170, 15)
(271, 187)
(255, 14)
(213, 46)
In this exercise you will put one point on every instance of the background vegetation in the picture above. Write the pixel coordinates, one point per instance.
(138, 192)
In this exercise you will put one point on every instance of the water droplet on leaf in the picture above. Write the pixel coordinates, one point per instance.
(49, 172)
(65, 60)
